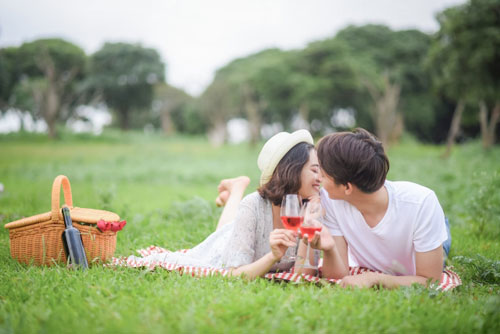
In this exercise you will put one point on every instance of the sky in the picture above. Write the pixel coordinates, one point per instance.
(196, 37)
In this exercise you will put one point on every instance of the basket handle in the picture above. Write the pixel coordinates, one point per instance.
(56, 192)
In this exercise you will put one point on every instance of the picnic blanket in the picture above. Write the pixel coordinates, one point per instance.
(449, 279)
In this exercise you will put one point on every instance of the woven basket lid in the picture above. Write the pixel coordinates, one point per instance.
(79, 215)
(91, 216)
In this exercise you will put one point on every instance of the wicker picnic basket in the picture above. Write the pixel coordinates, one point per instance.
(38, 239)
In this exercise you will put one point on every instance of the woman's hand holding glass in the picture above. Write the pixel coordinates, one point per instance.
(280, 240)
(291, 214)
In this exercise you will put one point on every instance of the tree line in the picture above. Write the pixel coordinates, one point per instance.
(434, 86)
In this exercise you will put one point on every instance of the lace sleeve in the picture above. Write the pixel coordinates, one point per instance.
(240, 249)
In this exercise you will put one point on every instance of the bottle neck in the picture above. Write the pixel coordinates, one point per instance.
(67, 218)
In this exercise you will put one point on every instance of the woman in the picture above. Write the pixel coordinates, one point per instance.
(250, 238)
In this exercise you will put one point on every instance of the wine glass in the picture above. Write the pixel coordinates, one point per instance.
(291, 215)
(310, 224)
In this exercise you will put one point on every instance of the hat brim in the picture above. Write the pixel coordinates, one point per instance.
(288, 142)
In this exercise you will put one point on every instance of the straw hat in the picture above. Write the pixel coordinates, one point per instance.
(276, 148)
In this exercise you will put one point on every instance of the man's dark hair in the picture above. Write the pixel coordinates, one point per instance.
(286, 176)
(356, 157)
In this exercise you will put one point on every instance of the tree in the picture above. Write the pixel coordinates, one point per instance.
(483, 18)
(256, 81)
(390, 68)
(217, 105)
(125, 75)
(324, 80)
(272, 83)
(465, 63)
(8, 74)
(253, 87)
(44, 77)
(444, 64)
(177, 110)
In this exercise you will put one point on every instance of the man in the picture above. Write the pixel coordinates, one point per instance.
(397, 228)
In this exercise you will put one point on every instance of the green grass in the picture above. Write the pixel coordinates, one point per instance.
(164, 188)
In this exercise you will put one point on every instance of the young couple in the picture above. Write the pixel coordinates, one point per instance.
(397, 228)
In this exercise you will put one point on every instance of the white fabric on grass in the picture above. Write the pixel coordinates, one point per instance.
(241, 242)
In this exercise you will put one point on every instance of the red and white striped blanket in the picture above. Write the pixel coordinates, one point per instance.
(449, 279)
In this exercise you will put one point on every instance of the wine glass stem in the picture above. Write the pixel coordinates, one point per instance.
(307, 263)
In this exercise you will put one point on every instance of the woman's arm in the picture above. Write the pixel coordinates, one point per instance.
(280, 240)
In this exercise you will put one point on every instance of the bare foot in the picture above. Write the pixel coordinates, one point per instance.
(222, 198)
(227, 185)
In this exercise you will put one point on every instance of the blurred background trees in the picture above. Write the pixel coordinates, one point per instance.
(42, 77)
(438, 87)
(390, 74)
(124, 74)
(465, 63)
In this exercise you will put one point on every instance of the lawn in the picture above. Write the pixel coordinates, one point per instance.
(165, 187)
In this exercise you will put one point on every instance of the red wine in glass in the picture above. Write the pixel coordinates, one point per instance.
(312, 212)
(310, 230)
(291, 216)
(292, 222)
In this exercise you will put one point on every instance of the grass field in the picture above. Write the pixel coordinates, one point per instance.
(164, 188)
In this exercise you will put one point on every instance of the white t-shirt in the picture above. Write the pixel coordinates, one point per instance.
(414, 222)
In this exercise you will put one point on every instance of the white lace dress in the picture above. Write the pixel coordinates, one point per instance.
(241, 242)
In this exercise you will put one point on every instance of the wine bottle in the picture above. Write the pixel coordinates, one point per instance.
(73, 245)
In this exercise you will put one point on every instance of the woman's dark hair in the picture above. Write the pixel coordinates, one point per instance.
(356, 157)
(286, 176)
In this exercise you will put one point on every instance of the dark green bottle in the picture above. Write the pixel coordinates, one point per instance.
(72, 241)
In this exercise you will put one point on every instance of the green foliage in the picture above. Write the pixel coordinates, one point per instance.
(276, 86)
(32, 58)
(43, 77)
(485, 205)
(175, 110)
(217, 102)
(255, 87)
(189, 119)
(373, 46)
(492, 315)
(125, 75)
(8, 74)
(164, 187)
(24, 98)
(377, 51)
(272, 85)
(459, 61)
(479, 35)
(479, 269)
(463, 58)
(325, 79)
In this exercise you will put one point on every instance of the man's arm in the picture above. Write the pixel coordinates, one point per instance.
(335, 263)
(429, 265)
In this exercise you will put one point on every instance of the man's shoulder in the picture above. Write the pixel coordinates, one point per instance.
(326, 200)
(408, 191)
(332, 205)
